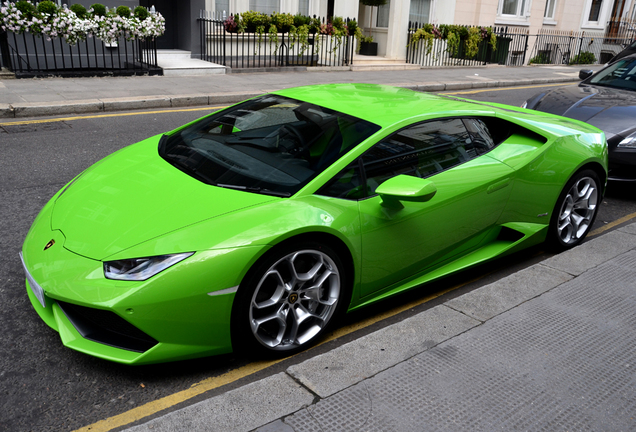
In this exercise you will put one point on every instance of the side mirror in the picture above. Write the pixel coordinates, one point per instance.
(585, 74)
(405, 188)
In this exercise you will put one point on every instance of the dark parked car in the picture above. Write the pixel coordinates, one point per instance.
(629, 50)
(607, 100)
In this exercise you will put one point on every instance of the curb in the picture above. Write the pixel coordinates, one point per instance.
(39, 109)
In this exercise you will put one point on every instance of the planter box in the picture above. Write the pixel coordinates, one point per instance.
(369, 48)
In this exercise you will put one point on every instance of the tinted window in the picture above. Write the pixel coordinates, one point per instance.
(421, 151)
(621, 74)
(272, 144)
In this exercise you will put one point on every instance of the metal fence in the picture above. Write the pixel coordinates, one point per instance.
(29, 55)
(251, 50)
(509, 50)
(559, 47)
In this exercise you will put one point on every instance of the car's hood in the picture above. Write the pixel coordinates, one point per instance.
(133, 196)
(611, 110)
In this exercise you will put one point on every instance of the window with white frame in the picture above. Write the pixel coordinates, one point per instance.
(383, 15)
(419, 11)
(512, 8)
(265, 6)
(303, 7)
(550, 7)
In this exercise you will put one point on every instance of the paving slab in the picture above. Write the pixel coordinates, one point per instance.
(592, 253)
(355, 361)
(35, 109)
(242, 409)
(498, 297)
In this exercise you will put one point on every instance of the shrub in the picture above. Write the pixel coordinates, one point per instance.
(99, 9)
(123, 11)
(541, 58)
(141, 13)
(26, 8)
(47, 7)
(301, 20)
(79, 10)
(585, 57)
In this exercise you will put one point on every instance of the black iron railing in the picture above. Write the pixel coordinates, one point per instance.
(509, 49)
(253, 50)
(29, 55)
(559, 47)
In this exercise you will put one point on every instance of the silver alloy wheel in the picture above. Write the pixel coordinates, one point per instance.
(577, 210)
(294, 300)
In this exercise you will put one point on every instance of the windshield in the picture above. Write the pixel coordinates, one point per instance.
(271, 144)
(621, 74)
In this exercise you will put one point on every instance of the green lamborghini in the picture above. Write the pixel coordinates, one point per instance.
(258, 226)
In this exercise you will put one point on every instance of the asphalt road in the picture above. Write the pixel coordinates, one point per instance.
(44, 386)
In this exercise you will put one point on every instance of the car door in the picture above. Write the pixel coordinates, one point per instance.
(472, 190)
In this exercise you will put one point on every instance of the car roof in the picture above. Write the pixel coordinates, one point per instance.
(380, 104)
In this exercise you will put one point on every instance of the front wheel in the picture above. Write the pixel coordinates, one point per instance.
(289, 299)
(575, 210)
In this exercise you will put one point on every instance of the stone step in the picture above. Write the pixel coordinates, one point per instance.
(179, 62)
(6, 74)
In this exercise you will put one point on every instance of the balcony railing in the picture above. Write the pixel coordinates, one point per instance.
(253, 50)
(29, 55)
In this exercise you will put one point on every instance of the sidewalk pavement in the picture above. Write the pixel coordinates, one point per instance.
(551, 347)
(21, 98)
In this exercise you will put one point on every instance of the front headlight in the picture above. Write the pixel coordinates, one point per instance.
(140, 269)
(629, 142)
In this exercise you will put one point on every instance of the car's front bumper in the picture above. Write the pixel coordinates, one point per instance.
(173, 315)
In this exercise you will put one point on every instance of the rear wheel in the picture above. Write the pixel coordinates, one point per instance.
(290, 299)
(575, 210)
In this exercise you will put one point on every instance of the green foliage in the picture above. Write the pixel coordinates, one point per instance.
(301, 20)
(472, 42)
(99, 9)
(123, 11)
(366, 39)
(272, 33)
(26, 8)
(586, 57)
(255, 22)
(79, 10)
(452, 43)
(299, 35)
(141, 12)
(282, 21)
(541, 58)
(47, 7)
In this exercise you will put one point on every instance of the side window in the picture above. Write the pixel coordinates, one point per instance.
(482, 141)
(421, 150)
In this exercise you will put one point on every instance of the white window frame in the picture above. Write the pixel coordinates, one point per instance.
(602, 15)
(549, 20)
(522, 17)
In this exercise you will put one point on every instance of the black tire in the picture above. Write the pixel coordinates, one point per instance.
(575, 211)
(289, 299)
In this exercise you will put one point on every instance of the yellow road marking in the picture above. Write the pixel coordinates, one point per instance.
(27, 122)
(211, 383)
(509, 88)
(612, 224)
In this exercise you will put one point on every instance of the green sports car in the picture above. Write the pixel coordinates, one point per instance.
(257, 226)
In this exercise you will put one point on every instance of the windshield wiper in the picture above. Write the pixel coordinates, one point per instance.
(255, 190)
